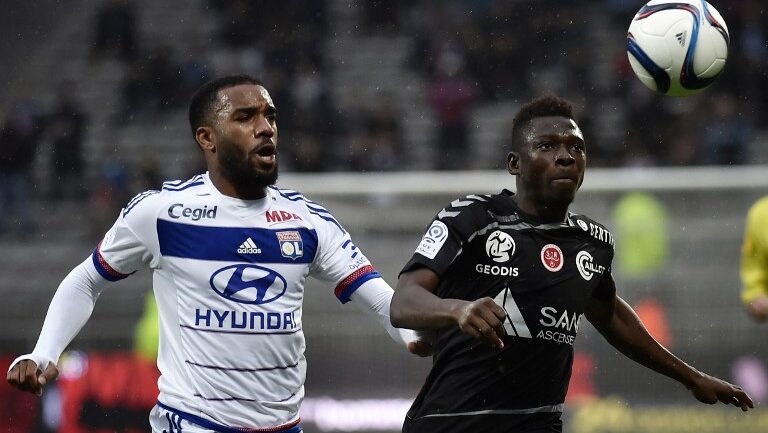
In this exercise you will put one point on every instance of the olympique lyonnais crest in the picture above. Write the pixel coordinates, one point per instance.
(291, 244)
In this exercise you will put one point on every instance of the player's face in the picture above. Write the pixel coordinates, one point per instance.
(551, 161)
(245, 124)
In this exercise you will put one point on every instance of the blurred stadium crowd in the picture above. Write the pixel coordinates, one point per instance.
(465, 56)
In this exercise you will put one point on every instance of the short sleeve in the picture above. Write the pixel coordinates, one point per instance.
(126, 247)
(445, 237)
(606, 288)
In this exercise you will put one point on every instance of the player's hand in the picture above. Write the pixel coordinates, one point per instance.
(710, 390)
(420, 348)
(27, 377)
(424, 343)
(758, 309)
(483, 319)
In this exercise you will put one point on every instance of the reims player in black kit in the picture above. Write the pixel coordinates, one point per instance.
(504, 279)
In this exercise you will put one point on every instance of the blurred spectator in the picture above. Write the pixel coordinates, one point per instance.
(136, 90)
(165, 73)
(66, 126)
(239, 27)
(148, 175)
(654, 317)
(641, 224)
(725, 133)
(111, 193)
(683, 147)
(19, 139)
(157, 83)
(295, 31)
(381, 15)
(754, 261)
(749, 371)
(451, 95)
(313, 121)
(375, 140)
(582, 389)
(146, 335)
(116, 30)
(307, 153)
(384, 137)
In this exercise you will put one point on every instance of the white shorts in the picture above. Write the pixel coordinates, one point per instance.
(165, 421)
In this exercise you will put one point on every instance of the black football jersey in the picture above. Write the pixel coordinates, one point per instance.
(543, 275)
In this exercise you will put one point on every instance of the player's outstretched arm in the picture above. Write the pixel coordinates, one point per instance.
(622, 328)
(415, 306)
(373, 298)
(69, 310)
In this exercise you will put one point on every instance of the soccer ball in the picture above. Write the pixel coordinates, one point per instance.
(677, 48)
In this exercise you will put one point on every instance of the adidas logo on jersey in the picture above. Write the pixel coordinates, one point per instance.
(249, 247)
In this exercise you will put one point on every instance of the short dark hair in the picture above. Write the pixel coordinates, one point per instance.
(547, 105)
(204, 99)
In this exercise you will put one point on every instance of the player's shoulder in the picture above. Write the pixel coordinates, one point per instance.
(469, 206)
(295, 200)
(591, 227)
(171, 191)
(288, 201)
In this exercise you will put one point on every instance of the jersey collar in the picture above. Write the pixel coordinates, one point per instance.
(533, 219)
(253, 205)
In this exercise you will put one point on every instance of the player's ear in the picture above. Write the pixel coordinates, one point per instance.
(204, 137)
(513, 163)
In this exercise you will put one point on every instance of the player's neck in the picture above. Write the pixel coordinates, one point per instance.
(231, 189)
(546, 212)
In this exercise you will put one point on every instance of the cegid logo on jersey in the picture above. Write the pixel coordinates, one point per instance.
(178, 210)
(500, 247)
(587, 268)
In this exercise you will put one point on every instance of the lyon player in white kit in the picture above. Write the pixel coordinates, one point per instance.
(229, 254)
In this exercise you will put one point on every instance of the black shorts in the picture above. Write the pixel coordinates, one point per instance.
(533, 423)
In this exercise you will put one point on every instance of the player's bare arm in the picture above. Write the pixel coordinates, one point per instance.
(374, 298)
(624, 330)
(415, 306)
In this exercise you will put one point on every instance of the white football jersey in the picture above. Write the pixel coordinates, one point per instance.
(228, 277)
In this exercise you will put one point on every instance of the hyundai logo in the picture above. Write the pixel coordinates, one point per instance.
(248, 284)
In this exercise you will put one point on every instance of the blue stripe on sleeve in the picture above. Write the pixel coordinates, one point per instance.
(350, 289)
(104, 269)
